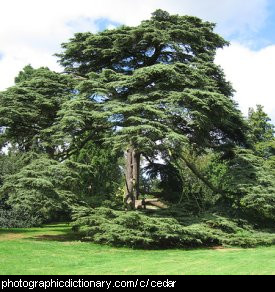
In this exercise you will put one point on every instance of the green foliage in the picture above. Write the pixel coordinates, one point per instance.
(216, 171)
(170, 228)
(12, 161)
(155, 83)
(151, 88)
(247, 178)
(79, 121)
(30, 107)
(44, 188)
(127, 48)
(197, 191)
(18, 219)
(9, 164)
(179, 185)
(164, 177)
(100, 174)
(266, 149)
(260, 128)
(26, 74)
(251, 184)
(156, 90)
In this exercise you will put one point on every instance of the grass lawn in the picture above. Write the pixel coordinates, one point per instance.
(53, 250)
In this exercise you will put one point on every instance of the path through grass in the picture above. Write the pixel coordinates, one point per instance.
(54, 250)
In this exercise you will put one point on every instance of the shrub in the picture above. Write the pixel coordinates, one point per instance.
(164, 230)
(44, 187)
(18, 219)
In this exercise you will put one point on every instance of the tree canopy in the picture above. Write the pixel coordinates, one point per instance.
(157, 85)
(29, 108)
(261, 130)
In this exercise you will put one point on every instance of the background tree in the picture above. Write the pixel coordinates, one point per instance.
(260, 128)
(100, 174)
(250, 185)
(247, 178)
(30, 107)
(159, 86)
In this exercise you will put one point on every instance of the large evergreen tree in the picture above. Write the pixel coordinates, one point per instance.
(158, 87)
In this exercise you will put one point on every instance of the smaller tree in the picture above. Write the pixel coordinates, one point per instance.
(250, 186)
(260, 128)
(30, 107)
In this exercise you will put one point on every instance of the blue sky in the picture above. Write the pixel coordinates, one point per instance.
(33, 32)
(259, 38)
(266, 34)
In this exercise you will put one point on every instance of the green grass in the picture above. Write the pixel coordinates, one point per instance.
(54, 250)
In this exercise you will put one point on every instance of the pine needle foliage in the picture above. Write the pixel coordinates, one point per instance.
(156, 82)
(171, 228)
(18, 219)
(44, 188)
(251, 180)
(30, 107)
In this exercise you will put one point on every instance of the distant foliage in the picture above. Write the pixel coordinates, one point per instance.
(100, 174)
(172, 228)
(195, 190)
(18, 219)
(260, 128)
(251, 184)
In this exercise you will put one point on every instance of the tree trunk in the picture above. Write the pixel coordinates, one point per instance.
(136, 169)
(132, 178)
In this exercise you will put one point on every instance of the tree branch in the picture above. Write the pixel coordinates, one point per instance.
(195, 171)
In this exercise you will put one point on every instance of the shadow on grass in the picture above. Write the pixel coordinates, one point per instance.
(47, 228)
(50, 232)
(67, 237)
(5, 231)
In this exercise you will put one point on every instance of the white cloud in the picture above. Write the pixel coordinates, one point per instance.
(11, 64)
(31, 31)
(231, 16)
(38, 16)
(252, 75)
